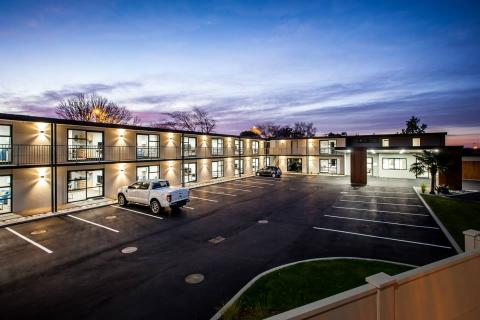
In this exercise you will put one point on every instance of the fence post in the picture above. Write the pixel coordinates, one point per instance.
(385, 285)
(472, 239)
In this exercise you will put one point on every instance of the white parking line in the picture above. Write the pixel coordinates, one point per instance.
(139, 212)
(383, 192)
(389, 203)
(385, 222)
(244, 190)
(203, 199)
(93, 223)
(221, 193)
(382, 211)
(38, 245)
(382, 197)
(385, 238)
(258, 182)
(190, 208)
(238, 184)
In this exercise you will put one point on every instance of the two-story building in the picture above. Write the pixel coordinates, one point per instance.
(48, 164)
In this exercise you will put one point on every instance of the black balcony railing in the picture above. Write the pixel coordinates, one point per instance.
(18, 155)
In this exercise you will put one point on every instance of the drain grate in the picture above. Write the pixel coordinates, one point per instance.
(262, 221)
(216, 240)
(129, 249)
(38, 232)
(194, 278)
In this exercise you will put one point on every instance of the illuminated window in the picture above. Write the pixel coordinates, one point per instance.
(5, 144)
(416, 142)
(85, 145)
(385, 143)
(148, 173)
(147, 146)
(217, 147)
(394, 164)
(217, 169)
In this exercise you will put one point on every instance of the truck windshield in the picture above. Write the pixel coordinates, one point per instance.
(159, 184)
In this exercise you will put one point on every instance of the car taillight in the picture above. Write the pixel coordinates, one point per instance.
(169, 197)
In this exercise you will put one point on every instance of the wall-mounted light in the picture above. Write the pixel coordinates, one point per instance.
(42, 176)
(402, 151)
(121, 133)
(436, 151)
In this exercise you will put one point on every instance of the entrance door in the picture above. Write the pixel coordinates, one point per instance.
(324, 165)
(369, 166)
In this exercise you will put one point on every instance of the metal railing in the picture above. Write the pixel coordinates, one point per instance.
(19, 155)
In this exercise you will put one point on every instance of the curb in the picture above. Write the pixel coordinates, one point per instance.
(440, 224)
(220, 312)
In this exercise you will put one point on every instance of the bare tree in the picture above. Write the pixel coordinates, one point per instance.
(195, 120)
(94, 108)
(304, 129)
(267, 129)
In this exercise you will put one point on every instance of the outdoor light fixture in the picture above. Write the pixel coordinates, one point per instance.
(436, 151)
(42, 176)
(402, 151)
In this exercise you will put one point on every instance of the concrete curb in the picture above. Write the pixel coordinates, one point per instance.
(440, 224)
(220, 312)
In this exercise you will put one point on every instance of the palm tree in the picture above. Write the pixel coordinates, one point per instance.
(432, 162)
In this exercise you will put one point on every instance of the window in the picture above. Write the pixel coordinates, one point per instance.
(217, 169)
(190, 172)
(415, 142)
(189, 146)
(238, 164)
(267, 161)
(147, 146)
(255, 146)
(238, 147)
(394, 164)
(5, 144)
(217, 147)
(85, 145)
(255, 165)
(148, 173)
(84, 184)
(294, 164)
(328, 166)
(5, 194)
(385, 143)
(160, 184)
(327, 146)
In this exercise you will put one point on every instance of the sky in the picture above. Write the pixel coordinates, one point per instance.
(356, 66)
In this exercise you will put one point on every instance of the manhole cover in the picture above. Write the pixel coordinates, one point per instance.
(262, 221)
(38, 232)
(216, 240)
(110, 217)
(129, 249)
(194, 278)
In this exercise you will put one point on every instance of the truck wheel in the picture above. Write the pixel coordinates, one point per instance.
(122, 200)
(155, 206)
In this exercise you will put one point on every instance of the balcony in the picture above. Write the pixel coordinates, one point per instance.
(24, 155)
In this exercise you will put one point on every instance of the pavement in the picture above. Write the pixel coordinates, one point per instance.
(73, 266)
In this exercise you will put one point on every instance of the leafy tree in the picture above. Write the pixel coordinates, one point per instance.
(413, 126)
(94, 108)
(267, 129)
(300, 129)
(432, 162)
(249, 133)
(303, 129)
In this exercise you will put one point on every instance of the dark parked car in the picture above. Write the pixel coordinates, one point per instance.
(270, 171)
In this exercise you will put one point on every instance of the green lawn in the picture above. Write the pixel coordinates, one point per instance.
(303, 283)
(456, 215)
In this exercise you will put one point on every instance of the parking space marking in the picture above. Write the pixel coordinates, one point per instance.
(383, 192)
(93, 223)
(203, 199)
(250, 185)
(244, 190)
(258, 182)
(38, 245)
(388, 203)
(385, 222)
(383, 211)
(221, 193)
(353, 195)
(385, 238)
(190, 208)
(139, 212)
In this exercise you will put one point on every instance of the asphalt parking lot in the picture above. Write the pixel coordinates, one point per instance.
(73, 266)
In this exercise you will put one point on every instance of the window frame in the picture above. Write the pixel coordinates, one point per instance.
(220, 164)
(394, 164)
(8, 147)
(256, 150)
(217, 151)
(86, 184)
(85, 147)
(419, 142)
(189, 175)
(148, 156)
(241, 166)
(190, 152)
(11, 192)
(387, 144)
(301, 164)
(257, 167)
(148, 172)
(240, 148)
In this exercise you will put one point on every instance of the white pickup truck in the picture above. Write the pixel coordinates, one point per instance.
(158, 194)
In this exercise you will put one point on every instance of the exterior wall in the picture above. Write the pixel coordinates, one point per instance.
(398, 140)
(405, 174)
(471, 168)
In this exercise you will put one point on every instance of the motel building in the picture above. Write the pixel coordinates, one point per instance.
(48, 165)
